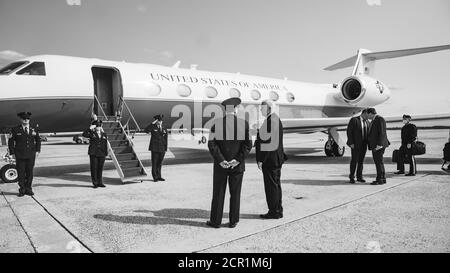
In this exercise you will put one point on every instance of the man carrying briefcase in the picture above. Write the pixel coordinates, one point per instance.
(409, 136)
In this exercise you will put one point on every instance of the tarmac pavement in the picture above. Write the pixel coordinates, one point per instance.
(323, 212)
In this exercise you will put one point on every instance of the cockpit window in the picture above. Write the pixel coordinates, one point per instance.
(36, 68)
(11, 67)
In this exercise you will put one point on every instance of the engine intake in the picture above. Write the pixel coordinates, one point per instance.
(363, 91)
(351, 89)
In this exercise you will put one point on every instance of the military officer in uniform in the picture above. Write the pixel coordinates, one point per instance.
(378, 142)
(98, 150)
(229, 145)
(357, 134)
(408, 135)
(158, 145)
(270, 157)
(25, 145)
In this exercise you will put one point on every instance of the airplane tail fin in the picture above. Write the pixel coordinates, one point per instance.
(363, 62)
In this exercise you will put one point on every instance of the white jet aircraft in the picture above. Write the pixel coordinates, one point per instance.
(63, 92)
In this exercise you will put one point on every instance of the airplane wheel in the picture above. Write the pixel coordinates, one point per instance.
(79, 141)
(338, 151)
(9, 173)
(203, 139)
(329, 148)
(333, 149)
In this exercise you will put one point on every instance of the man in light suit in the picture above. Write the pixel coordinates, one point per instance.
(357, 136)
(378, 142)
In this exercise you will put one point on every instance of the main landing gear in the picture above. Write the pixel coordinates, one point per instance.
(333, 148)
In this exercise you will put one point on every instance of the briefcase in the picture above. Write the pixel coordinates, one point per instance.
(418, 148)
(395, 156)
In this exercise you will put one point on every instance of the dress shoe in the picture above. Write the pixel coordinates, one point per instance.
(270, 216)
(102, 186)
(211, 224)
(21, 194)
(410, 174)
(232, 225)
(399, 172)
(361, 180)
(161, 179)
(30, 193)
(382, 182)
(352, 181)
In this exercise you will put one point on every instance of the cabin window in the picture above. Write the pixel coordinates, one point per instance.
(234, 93)
(211, 92)
(153, 89)
(274, 96)
(35, 69)
(290, 97)
(184, 90)
(11, 67)
(256, 95)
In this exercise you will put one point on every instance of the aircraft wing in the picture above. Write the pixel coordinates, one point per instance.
(311, 125)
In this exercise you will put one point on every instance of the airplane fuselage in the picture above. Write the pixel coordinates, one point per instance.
(62, 98)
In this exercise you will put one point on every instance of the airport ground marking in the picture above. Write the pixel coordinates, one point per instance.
(63, 226)
(313, 214)
(20, 223)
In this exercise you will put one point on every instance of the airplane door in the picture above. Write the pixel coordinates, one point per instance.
(108, 89)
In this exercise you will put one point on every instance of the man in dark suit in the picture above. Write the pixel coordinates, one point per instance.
(98, 150)
(378, 142)
(357, 135)
(229, 144)
(158, 145)
(25, 145)
(270, 157)
(409, 135)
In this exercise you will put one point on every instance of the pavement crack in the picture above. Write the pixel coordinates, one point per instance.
(20, 223)
(313, 214)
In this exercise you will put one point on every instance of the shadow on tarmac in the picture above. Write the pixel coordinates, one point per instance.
(172, 216)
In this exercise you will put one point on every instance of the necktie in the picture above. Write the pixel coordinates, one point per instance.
(26, 130)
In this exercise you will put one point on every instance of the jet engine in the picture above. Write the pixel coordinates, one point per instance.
(363, 91)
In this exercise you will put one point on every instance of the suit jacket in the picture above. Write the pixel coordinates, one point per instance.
(235, 146)
(409, 134)
(98, 146)
(24, 145)
(355, 132)
(377, 133)
(159, 137)
(273, 158)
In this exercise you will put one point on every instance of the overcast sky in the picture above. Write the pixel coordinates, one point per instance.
(294, 39)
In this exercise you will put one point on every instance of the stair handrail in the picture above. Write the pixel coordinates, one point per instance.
(98, 103)
(131, 114)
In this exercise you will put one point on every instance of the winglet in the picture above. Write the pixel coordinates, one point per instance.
(177, 64)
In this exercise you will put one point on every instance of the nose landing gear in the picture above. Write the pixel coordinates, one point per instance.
(8, 173)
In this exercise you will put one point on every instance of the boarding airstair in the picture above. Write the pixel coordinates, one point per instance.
(120, 144)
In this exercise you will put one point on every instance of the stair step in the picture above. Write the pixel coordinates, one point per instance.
(130, 172)
(125, 157)
(113, 130)
(118, 143)
(122, 150)
(116, 137)
(129, 164)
